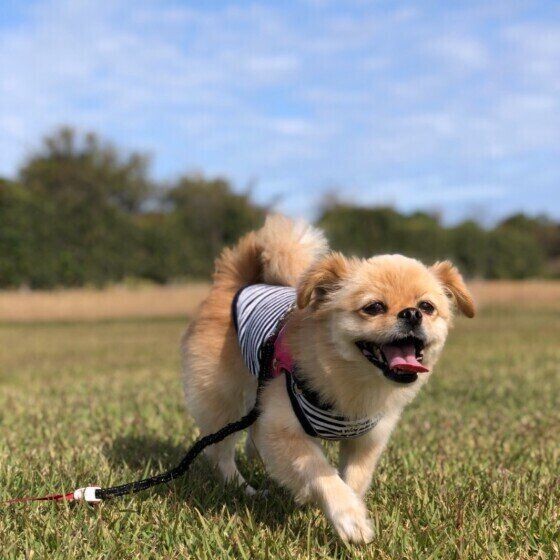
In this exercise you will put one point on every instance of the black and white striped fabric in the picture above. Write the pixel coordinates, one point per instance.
(321, 421)
(257, 311)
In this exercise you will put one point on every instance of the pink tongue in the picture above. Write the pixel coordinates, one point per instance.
(403, 358)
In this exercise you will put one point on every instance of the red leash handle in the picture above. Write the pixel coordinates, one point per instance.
(53, 497)
(86, 494)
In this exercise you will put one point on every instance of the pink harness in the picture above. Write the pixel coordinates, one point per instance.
(282, 360)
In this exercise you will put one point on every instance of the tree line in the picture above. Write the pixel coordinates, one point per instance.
(82, 212)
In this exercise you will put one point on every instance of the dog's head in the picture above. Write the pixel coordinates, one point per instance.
(390, 312)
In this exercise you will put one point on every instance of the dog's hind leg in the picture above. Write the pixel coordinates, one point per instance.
(251, 451)
(214, 404)
(222, 456)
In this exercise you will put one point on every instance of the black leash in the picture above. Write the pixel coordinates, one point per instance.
(93, 494)
(198, 446)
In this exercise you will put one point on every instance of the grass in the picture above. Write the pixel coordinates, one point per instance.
(144, 300)
(89, 304)
(471, 472)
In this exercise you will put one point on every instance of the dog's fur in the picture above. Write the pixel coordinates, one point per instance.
(331, 293)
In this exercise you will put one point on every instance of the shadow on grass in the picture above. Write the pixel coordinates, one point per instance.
(200, 487)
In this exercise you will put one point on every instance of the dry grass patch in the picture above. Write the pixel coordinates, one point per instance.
(181, 300)
(116, 302)
(528, 293)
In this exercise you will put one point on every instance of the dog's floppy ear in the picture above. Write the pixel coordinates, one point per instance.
(320, 279)
(454, 286)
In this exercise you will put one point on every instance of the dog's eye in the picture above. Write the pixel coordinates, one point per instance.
(375, 308)
(426, 307)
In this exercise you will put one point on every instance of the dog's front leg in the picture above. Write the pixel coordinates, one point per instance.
(297, 461)
(359, 457)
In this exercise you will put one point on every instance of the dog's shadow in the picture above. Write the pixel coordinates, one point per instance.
(200, 487)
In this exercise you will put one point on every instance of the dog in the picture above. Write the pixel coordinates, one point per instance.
(365, 335)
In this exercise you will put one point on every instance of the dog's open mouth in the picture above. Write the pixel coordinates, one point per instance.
(400, 360)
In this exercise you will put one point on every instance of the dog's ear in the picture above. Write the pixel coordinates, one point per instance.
(454, 286)
(321, 279)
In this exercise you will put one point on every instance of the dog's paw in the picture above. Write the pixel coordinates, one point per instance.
(250, 491)
(352, 524)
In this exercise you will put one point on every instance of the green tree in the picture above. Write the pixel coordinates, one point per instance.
(512, 250)
(88, 193)
(206, 215)
(512, 254)
(160, 258)
(78, 169)
(16, 234)
(78, 213)
(366, 231)
(470, 248)
(544, 230)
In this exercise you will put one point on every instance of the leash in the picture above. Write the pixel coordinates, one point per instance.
(95, 494)
(52, 498)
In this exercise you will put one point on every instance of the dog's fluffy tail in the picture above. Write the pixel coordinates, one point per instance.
(276, 254)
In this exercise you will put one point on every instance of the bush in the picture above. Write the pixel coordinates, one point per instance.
(206, 215)
(78, 215)
(512, 254)
(367, 231)
(17, 236)
(504, 252)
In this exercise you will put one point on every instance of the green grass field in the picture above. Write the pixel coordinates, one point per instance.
(471, 472)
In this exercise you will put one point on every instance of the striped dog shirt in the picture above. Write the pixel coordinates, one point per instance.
(258, 312)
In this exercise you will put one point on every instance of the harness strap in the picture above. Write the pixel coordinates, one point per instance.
(291, 388)
(283, 360)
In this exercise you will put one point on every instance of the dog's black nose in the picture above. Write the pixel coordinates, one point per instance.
(411, 315)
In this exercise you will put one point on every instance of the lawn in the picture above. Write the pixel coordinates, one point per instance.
(471, 472)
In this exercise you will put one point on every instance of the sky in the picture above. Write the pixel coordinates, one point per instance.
(450, 107)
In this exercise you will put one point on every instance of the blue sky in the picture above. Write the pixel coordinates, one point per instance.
(445, 106)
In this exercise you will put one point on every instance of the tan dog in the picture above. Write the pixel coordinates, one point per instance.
(364, 335)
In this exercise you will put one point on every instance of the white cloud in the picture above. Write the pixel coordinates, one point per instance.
(357, 94)
(462, 53)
